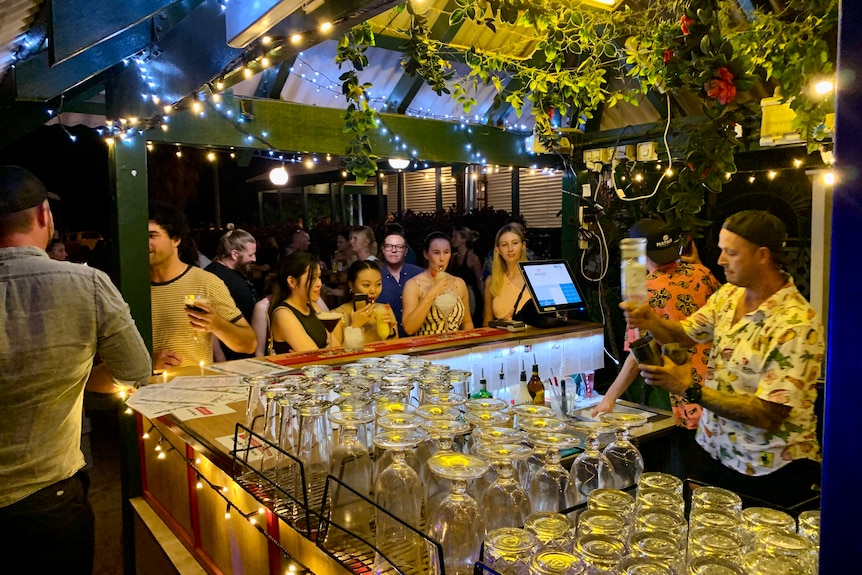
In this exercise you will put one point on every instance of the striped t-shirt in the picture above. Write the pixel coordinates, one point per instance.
(171, 328)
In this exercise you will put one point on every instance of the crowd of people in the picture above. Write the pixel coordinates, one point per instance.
(744, 399)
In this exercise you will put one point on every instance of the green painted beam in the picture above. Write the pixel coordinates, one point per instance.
(128, 164)
(285, 126)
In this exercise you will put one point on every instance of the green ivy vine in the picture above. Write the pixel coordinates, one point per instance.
(586, 58)
(359, 117)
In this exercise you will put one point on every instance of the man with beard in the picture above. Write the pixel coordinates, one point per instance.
(234, 257)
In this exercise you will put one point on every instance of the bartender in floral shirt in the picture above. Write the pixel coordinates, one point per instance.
(758, 426)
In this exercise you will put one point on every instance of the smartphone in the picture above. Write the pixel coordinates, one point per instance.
(361, 299)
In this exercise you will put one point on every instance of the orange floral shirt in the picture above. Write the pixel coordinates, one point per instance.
(677, 290)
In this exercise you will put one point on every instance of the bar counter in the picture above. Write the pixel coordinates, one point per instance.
(187, 469)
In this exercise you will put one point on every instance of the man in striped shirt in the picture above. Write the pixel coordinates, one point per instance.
(182, 335)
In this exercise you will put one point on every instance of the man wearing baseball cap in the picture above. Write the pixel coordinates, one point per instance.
(676, 290)
(758, 429)
(56, 318)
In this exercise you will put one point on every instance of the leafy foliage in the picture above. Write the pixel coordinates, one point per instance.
(359, 117)
(586, 58)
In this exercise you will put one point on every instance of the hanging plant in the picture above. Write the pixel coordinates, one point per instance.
(359, 117)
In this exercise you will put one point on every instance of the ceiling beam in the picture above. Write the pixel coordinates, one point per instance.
(408, 86)
(289, 127)
(77, 25)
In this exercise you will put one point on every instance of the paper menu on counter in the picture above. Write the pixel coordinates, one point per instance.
(250, 366)
(156, 400)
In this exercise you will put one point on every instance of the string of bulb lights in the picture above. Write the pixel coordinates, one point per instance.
(164, 447)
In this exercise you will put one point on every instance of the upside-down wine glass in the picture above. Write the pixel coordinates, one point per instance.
(399, 491)
(351, 463)
(456, 523)
(626, 459)
(505, 503)
(551, 487)
(591, 469)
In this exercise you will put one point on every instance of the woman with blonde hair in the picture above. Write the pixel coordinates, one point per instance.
(364, 243)
(504, 288)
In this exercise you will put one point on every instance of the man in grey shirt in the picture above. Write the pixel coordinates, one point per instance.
(55, 317)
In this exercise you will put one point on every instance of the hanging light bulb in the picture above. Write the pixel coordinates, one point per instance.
(278, 176)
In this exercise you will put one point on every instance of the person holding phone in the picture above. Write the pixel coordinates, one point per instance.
(377, 320)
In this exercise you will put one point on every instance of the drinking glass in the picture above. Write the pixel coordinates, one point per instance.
(551, 487)
(599, 522)
(380, 324)
(402, 422)
(650, 479)
(330, 320)
(627, 461)
(714, 566)
(508, 550)
(757, 563)
(777, 543)
(659, 547)
(650, 498)
(191, 302)
(314, 447)
(809, 526)
(553, 530)
(710, 542)
(662, 521)
(601, 554)
(614, 500)
(554, 562)
(528, 410)
(351, 463)
(399, 491)
(756, 520)
(591, 469)
(716, 498)
(643, 566)
(505, 503)
(456, 523)
(442, 433)
(253, 408)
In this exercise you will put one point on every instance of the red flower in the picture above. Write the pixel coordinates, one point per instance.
(667, 55)
(722, 88)
(684, 23)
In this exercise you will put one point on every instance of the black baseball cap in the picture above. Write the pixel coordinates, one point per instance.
(20, 190)
(662, 240)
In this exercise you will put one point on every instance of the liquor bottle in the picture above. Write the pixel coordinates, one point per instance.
(535, 386)
(523, 395)
(483, 389)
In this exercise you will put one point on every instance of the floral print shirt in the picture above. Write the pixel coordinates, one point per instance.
(775, 353)
(677, 290)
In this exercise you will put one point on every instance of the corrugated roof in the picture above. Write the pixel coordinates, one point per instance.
(16, 17)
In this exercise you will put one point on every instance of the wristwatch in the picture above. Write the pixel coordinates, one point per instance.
(693, 393)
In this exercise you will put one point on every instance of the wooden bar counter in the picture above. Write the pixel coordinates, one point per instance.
(187, 472)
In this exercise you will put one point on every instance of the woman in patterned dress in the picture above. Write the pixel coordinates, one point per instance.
(435, 301)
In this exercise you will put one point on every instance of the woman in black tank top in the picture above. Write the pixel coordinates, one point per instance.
(293, 317)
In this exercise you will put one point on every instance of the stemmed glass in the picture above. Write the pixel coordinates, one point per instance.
(330, 320)
(591, 469)
(627, 461)
(551, 488)
(456, 523)
(351, 463)
(253, 405)
(399, 491)
(505, 503)
(443, 433)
